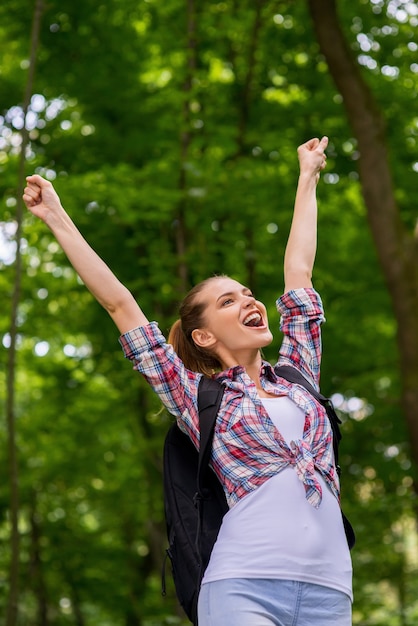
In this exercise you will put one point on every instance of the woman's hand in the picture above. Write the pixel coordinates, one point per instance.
(41, 198)
(312, 157)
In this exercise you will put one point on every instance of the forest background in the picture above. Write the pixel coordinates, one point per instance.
(170, 130)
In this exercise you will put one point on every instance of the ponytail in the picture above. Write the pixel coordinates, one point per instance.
(195, 358)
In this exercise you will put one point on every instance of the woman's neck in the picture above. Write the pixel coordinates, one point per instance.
(250, 361)
(252, 364)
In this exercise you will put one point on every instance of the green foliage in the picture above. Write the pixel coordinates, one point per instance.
(155, 139)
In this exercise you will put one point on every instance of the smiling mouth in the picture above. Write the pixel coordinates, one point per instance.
(254, 320)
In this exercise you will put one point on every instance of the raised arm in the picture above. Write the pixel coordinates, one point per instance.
(301, 246)
(42, 200)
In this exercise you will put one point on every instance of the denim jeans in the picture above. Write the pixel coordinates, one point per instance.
(260, 602)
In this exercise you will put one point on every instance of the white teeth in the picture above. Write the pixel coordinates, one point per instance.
(254, 317)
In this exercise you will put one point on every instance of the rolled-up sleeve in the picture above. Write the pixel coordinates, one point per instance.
(302, 314)
(156, 360)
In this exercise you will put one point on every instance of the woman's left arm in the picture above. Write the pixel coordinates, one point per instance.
(301, 246)
(301, 318)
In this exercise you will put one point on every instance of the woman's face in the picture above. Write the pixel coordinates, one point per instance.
(236, 324)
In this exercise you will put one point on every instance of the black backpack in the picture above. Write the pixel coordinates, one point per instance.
(194, 499)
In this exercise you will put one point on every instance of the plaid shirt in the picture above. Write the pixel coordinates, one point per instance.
(248, 449)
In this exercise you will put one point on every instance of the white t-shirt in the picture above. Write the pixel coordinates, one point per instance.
(274, 532)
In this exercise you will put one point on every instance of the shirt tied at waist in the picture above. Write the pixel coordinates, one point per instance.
(304, 464)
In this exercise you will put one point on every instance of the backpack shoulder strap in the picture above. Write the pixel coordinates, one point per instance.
(209, 398)
(293, 375)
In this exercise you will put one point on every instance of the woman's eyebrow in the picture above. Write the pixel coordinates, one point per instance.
(228, 293)
(231, 293)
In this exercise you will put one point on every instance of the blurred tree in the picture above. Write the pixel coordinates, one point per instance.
(13, 578)
(170, 131)
(396, 239)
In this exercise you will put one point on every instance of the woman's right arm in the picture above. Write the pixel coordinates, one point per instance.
(42, 200)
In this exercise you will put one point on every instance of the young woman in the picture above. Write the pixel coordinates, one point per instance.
(281, 558)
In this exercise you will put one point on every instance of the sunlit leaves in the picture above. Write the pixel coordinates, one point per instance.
(112, 104)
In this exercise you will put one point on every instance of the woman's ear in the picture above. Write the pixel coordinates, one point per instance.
(203, 338)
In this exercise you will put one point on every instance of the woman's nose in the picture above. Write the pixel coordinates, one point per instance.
(249, 301)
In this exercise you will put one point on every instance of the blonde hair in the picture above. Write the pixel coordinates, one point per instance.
(192, 316)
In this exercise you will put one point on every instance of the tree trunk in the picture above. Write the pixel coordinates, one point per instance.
(397, 249)
(37, 574)
(246, 93)
(12, 603)
(185, 141)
